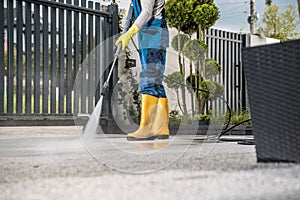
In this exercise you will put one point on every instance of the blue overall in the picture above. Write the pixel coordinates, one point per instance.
(153, 40)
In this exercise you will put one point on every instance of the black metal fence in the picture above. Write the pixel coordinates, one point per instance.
(43, 45)
(225, 47)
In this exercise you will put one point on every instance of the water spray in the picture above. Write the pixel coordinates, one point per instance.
(92, 125)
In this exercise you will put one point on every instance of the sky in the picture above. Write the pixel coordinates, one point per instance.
(234, 13)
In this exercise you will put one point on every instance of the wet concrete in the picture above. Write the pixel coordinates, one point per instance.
(54, 163)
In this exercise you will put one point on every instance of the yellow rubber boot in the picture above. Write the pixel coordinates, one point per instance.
(161, 122)
(145, 132)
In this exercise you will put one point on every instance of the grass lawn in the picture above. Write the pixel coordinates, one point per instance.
(40, 102)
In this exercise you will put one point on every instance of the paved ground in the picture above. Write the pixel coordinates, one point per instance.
(53, 163)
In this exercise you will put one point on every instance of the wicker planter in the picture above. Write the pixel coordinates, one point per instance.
(273, 82)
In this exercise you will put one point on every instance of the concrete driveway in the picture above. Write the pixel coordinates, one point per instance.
(53, 163)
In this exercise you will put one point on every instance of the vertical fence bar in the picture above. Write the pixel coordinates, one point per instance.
(28, 74)
(97, 54)
(239, 71)
(102, 56)
(239, 85)
(214, 56)
(76, 57)
(19, 44)
(222, 64)
(218, 101)
(230, 67)
(10, 57)
(242, 84)
(212, 50)
(226, 67)
(232, 60)
(235, 102)
(69, 63)
(236, 61)
(45, 60)
(37, 63)
(114, 26)
(222, 43)
(208, 41)
(61, 55)
(235, 71)
(243, 81)
(113, 9)
(106, 63)
(243, 90)
(2, 56)
(109, 56)
(90, 60)
(53, 61)
(83, 56)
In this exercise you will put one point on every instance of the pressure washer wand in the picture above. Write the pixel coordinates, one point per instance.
(127, 25)
(106, 83)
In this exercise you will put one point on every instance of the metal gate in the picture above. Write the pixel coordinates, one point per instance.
(43, 45)
(225, 47)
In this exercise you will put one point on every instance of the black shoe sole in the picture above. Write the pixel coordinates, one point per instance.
(160, 137)
(141, 139)
(163, 137)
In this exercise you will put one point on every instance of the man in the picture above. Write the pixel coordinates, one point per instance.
(150, 24)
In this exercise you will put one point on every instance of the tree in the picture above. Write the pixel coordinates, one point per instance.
(206, 15)
(269, 2)
(190, 16)
(279, 25)
(202, 15)
(176, 12)
(177, 18)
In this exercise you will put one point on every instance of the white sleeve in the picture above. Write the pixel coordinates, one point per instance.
(146, 13)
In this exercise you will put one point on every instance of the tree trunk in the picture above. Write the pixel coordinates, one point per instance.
(201, 72)
(202, 62)
(192, 88)
(182, 71)
(179, 51)
(201, 104)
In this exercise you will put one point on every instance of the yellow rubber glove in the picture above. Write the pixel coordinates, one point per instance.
(125, 38)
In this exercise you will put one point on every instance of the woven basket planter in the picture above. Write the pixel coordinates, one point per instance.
(273, 82)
